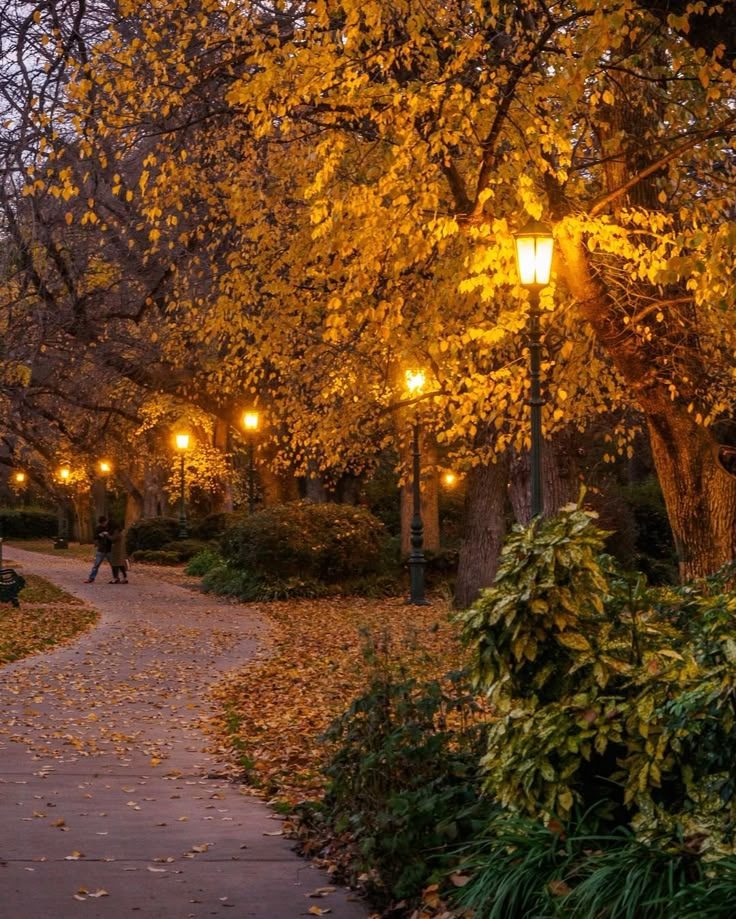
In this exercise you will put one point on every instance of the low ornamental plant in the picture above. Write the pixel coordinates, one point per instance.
(613, 700)
(404, 783)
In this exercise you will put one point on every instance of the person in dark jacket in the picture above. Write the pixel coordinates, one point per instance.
(103, 546)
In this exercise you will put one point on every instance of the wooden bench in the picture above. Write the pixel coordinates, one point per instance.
(11, 584)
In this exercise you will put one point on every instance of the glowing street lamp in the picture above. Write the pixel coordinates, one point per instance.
(182, 444)
(534, 248)
(415, 381)
(62, 539)
(105, 470)
(251, 422)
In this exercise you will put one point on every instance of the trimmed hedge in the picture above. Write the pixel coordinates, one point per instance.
(151, 533)
(27, 523)
(323, 542)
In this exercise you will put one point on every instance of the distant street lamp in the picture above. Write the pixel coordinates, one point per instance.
(20, 485)
(534, 246)
(62, 539)
(415, 383)
(105, 470)
(182, 444)
(251, 421)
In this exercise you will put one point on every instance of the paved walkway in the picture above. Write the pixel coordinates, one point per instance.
(110, 808)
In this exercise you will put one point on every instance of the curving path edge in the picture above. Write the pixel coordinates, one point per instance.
(110, 805)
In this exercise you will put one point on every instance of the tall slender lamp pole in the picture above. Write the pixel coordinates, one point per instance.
(534, 246)
(182, 444)
(105, 470)
(251, 421)
(62, 540)
(417, 561)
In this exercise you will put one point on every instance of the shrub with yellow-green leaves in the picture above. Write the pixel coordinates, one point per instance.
(610, 698)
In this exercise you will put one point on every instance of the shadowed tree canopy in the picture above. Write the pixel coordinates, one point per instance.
(299, 203)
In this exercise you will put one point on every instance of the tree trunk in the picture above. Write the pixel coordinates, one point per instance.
(699, 494)
(484, 529)
(560, 479)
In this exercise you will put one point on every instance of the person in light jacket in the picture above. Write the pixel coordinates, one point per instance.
(118, 554)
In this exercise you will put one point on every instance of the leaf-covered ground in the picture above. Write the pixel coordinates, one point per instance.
(317, 662)
(47, 616)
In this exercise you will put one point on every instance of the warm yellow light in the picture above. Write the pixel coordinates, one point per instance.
(20, 477)
(64, 473)
(251, 420)
(182, 441)
(415, 380)
(534, 247)
(449, 479)
(105, 467)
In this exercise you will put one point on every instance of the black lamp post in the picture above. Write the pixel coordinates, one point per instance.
(62, 539)
(20, 485)
(251, 420)
(105, 470)
(182, 444)
(417, 561)
(534, 245)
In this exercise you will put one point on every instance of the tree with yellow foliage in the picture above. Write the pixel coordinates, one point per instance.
(324, 193)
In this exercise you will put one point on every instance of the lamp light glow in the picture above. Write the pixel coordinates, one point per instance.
(534, 247)
(182, 441)
(251, 420)
(415, 380)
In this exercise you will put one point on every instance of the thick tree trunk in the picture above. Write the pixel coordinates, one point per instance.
(484, 529)
(699, 494)
(560, 480)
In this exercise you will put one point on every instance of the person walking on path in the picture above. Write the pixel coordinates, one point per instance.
(118, 553)
(103, 544)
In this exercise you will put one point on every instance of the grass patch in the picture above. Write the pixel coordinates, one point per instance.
(48, 616)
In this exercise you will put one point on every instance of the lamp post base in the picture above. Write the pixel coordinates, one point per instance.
(61, 542)
(416, 582)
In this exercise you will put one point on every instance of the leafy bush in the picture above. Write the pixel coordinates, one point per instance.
(250, 587)
(151, 533)
(323, 542)
(404, 780)
(171, 553)
(27, 523)
(211, 527)
(202, 562)
(617, 700)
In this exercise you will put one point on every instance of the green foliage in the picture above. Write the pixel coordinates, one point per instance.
(203, 562)
(251, 587)
(324, 542)
(171, 553)
(403, 779)
(520, 867)
(618, 700)
(151, 533)
(27, 523)
(212, 526)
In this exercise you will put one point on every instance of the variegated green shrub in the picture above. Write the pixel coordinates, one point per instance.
(608, 696)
